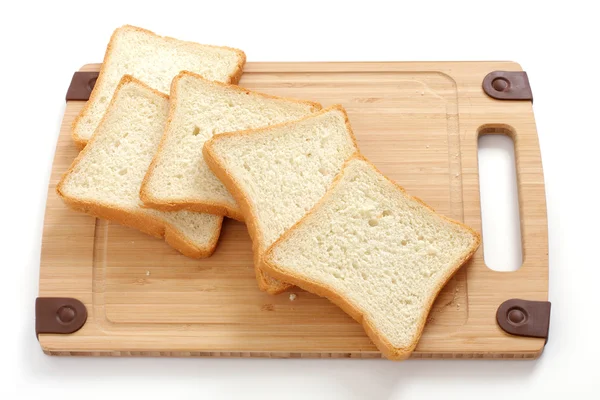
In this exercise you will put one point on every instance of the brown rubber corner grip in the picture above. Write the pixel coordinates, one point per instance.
(59, 315)
(525, 318)
(507, 85)
(81, 85)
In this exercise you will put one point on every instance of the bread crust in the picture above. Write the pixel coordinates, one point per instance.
(265, 282)
(145, 223)
(205, 206)
(386, 348)
(233, 78)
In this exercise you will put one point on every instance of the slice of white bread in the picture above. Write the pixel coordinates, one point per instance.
(105, 178)
(155, 60)
(378, 253)
(178, 178)
(277, 174)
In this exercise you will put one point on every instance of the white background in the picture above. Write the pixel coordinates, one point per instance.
(43, 44)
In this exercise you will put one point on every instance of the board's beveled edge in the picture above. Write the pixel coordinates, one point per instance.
(295, 355)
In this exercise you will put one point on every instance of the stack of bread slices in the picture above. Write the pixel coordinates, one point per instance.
(171, 146)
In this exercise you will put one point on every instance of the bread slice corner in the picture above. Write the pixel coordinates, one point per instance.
(137, 52)
(104, 179)
(380, 254)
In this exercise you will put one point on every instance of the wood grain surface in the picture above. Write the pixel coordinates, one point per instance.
(419, 124)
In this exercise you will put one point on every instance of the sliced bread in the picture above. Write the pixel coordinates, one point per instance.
(105, 178)
(277, 174)
(375, 251)
(154, 60)
(178, 178)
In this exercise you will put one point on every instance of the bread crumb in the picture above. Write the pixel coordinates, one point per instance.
(427, 146)
(147, 273)
(292, 296)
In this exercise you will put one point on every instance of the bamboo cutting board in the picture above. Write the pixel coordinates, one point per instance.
(419, 123)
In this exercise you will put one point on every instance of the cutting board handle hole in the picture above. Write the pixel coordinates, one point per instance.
(499, 196)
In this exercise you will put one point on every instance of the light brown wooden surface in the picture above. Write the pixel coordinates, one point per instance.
(419, 124)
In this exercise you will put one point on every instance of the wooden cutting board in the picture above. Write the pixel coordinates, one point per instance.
(419, 123)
